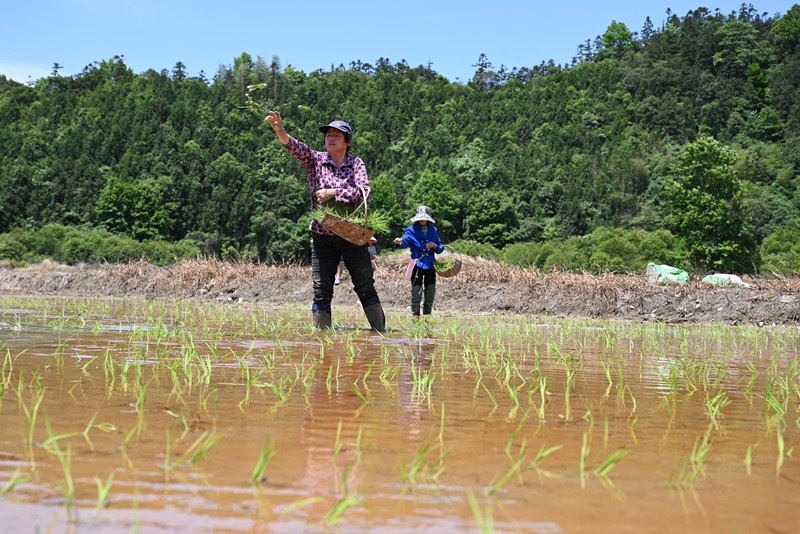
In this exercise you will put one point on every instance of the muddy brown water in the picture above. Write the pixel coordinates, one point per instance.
(152, 416)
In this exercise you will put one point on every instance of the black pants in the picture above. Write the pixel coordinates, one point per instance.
(326, 253)
(423, 284)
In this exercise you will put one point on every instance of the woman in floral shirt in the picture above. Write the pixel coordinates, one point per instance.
(334, 175)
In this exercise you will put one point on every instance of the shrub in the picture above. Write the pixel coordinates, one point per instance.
(164, 253)
(78, 244)
(473, 248)
(11, 248)
(522, 254)
(634, 249)
(119, 249)
(573, 255)
(605, 248)
(662, 247)
(289, 241)
(78, 248)
(48, 240)
(546, 250)
(780, 251)
(615, 250)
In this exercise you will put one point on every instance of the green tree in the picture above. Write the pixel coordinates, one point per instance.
(290, 240)
(781, 251)
(705, 198)
(474, 167)
(574, 148)
(137, 210)
(617, 39)
(11, 248)
(384, 199)
(434, 190)
(737, 48)
(492, 218)
(786, 31)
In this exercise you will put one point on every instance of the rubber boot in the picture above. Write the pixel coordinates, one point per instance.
(430, 294)
(376, 318)
(416, 297)
(322, 319)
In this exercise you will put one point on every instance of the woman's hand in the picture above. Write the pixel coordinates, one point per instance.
(325, 194)
(398, 241)
(430, 245)
(274, 119)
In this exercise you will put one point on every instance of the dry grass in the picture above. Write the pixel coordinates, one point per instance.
(481, 286)
(483, 270)
(393, 266)
(204, 273)
(209, 272)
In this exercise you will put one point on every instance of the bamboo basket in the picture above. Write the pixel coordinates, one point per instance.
(347, 230)
(455, 268)
(452, 271)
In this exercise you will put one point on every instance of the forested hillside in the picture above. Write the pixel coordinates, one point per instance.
(675, 144)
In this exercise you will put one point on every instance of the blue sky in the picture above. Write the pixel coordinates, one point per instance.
(311, 35)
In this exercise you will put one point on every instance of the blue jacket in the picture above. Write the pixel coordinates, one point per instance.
(417, 239)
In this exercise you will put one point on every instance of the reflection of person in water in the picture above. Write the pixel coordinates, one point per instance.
(325, 411)
(415, 396)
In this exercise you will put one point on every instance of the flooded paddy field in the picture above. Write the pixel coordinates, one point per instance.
(189, 416)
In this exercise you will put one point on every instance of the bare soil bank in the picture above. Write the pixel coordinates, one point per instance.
(481, 287)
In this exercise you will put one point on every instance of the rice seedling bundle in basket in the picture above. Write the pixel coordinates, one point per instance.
(345, 229)
(354, 226)
(447, 267)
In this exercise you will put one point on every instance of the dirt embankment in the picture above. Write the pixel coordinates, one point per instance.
(480, 287)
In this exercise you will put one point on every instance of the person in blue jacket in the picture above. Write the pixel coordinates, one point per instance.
(423, 239)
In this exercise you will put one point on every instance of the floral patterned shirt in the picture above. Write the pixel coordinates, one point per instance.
(323, 174)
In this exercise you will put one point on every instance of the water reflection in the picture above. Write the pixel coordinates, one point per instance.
(548, 426)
